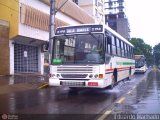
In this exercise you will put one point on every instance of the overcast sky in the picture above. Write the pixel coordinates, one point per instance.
(144, 19)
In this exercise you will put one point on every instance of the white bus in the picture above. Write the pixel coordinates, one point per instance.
(140, 64)
(90, 56)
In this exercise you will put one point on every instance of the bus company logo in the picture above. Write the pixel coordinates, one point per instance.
(4, 116)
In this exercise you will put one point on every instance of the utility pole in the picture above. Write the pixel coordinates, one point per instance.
(52, 27)
(53, 12)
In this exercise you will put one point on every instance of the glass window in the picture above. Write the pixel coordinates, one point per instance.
(122, 48)
(130, 52)
(109, 45)
(78, 49)
(115, 44)
(127, 47)
(118, 43)
(109, 48)
(132, 55)
(113, 41)
(114, 49)
(75, 1)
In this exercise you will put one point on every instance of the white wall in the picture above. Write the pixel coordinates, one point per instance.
(11, 48)
(66, 19)
(83, 2)
(40, 61)
(32, 32)
(37, 4)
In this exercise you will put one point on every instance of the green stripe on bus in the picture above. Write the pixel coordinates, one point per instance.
(128, 63)
(125, 63)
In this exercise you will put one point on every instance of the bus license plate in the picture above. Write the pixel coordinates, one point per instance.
(66, 83)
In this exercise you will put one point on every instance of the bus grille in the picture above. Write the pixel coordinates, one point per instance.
(74, 75)
(74, 69)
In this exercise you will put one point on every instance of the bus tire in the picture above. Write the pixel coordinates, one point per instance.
(114, 79)
(130, 72)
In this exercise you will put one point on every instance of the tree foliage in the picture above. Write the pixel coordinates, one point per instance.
(156, 53)
(141, 48)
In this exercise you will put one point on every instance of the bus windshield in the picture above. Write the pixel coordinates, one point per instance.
(140, 62)
(78, 49)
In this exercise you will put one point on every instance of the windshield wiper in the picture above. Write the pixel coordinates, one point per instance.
(97, 39)
(94, 36)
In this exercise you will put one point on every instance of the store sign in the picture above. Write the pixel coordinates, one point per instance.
(79, 29)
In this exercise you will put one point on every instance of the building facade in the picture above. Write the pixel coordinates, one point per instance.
(24, 29)
(95, 8)
(115, 17)
(110, 12)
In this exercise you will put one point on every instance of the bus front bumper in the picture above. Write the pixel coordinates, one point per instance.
(92, 83)
(139, 71)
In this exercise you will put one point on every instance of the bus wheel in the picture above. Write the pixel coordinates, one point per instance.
(130, 71)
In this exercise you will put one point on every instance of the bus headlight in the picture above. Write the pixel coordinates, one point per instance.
(90, 76)
(51, 75)
(96, 76)
(57, 75)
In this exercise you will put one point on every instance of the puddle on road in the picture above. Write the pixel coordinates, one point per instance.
(144, 98)
(114, 90)
(11, 80)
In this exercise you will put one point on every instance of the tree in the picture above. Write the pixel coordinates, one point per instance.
(156, 53)
(141, 48)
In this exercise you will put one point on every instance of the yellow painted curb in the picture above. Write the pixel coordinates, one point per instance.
(121, 100)
(108, 112)
(42, 86)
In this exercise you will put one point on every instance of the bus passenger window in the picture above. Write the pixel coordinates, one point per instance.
(109, 51)
(122, 49)
(107, 58)
(127, 51)
(114, 50)
(120, 43)
(118, 48)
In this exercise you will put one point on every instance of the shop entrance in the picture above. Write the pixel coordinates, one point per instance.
(25, 58)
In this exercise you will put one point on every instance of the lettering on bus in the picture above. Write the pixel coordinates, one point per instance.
(79, 29)
(96, 29)
(87, 29)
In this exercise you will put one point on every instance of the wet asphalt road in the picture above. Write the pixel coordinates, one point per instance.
(142, 103)
(60, 103)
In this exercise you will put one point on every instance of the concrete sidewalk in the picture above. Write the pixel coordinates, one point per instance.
(22, 78)
(21, 82)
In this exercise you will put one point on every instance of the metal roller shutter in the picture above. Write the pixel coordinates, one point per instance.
(25, 58)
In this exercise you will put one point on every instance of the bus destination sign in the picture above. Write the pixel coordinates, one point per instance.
(79, 29)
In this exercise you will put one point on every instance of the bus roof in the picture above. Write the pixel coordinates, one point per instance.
(103, 27)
